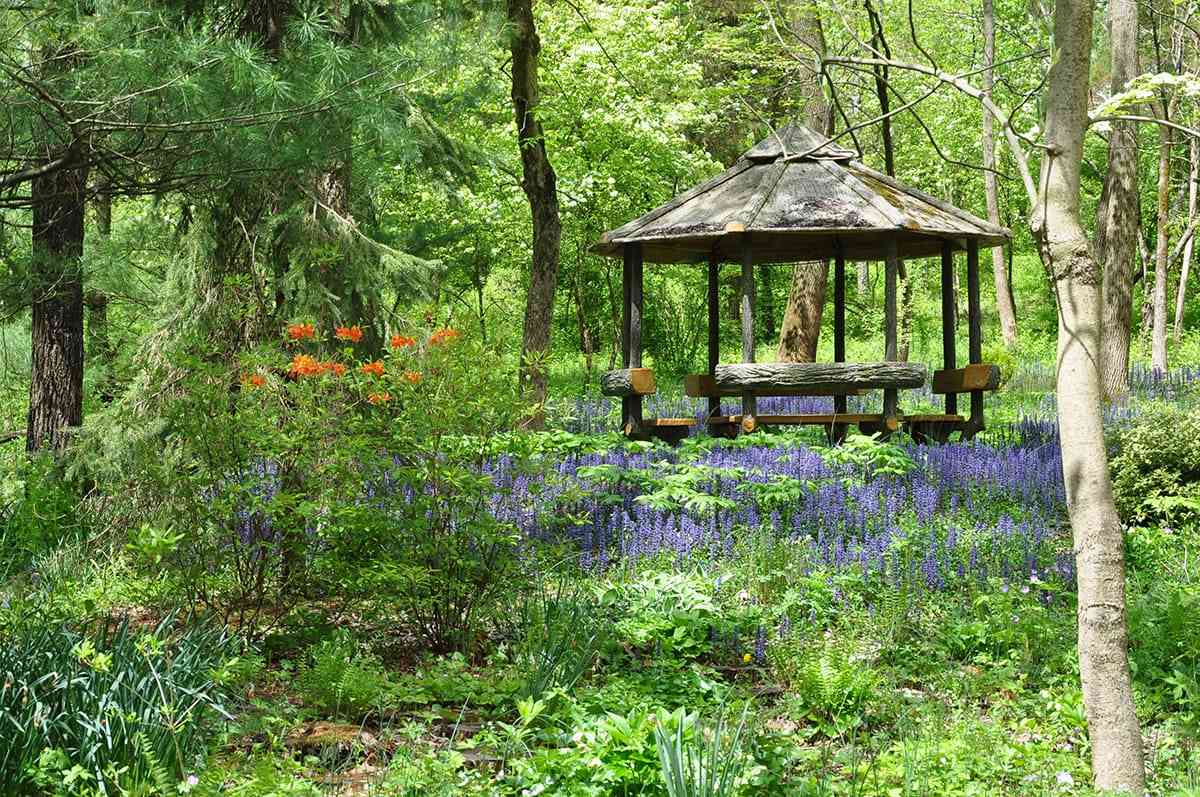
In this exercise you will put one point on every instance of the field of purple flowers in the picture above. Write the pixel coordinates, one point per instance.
(918, 516)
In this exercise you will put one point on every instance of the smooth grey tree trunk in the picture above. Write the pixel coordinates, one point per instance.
(1117, 223)
(1158, 334)
(1181, 292)
(1004, 301)
(1117, 759)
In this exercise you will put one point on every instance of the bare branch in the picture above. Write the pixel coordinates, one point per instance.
(1011, 137)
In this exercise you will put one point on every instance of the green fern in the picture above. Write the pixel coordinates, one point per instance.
(159, 778)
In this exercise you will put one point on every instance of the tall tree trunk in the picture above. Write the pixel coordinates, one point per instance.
(800, 330)
(1117, 224)
(56, 381)
(1117, 761)
(540, 185)
(766, 298)
(1181, 293)
(863, 277)
(1004, 303)
(99, 348)
(1158, 338)
(906, 316)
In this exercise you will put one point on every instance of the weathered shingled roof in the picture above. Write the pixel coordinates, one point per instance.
(799, 198)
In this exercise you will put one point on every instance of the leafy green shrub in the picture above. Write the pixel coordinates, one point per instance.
(1164, 630)
(102, 708)
(40, 511)
(999, 354)
(672, 616)
(867, 457)
(341, 680)
(1156, 473)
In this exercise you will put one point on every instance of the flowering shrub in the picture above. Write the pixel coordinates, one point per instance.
(312, 472)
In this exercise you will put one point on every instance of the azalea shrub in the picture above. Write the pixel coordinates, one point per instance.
(319, 473)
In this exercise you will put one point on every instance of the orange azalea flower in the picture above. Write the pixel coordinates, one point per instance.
(379, 398)
(353, 334)
(304, 365)
(446, 335)
(375, 368)
(253, 380)
(402, 342)
(300, 331)
(413, 377)
(338, 369)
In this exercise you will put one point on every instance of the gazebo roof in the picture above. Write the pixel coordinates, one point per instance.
(800, 199)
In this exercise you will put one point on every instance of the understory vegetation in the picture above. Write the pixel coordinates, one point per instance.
(426, 603)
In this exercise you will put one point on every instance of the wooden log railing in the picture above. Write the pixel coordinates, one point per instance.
(775, 378)
(628, 382)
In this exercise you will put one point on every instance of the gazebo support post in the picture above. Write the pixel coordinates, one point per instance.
(975, 335)
(891, 403)
(631, 339)
(949, 356)
(839, 335)
(714, 325)
(749, 405)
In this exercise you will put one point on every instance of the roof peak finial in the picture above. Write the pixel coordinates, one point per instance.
(795, 141)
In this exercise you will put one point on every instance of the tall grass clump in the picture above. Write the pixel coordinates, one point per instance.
(108, 707)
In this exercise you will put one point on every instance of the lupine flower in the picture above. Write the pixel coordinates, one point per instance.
(353, 334)
(300, 331)
(374, 368)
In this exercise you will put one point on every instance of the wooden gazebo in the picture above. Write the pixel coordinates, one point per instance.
(796, 197)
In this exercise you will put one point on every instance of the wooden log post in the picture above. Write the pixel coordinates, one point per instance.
(628, 382)
(714, 325)
(837, 430)
(631, 342)
(891, 398)
(975, 335)
(749, 404)
(949, 356)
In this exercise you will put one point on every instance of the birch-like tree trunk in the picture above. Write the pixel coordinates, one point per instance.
(1181, 292)
(1117, 761)
(1004, 302)
(1158, 334)
(1117, 223)
(541, 189)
